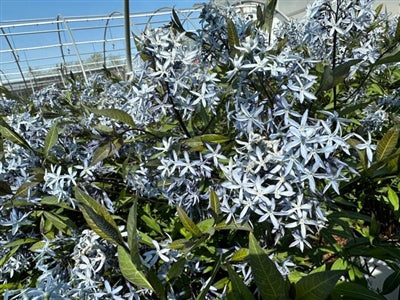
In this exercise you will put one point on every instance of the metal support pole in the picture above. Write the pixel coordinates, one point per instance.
(60, 17)
(127, 37)
(15, 57)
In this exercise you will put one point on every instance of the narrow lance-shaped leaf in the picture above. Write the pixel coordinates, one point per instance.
(130, 271)
(8, 133)
(239, 289)
(233, 38)
(390, 57)
(115, 114)
(131, 228)
(51, 139)
(205, 289)
(387, 144)
(214, 202)
(269, 15)
(24, 189)
(188, 223)
(317, 286)
(269, 280)
(98, 218)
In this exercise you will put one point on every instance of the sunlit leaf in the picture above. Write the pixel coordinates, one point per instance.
(188, 223)
(233, 38)
(130, 271)
(51, 139)
(214, 202)
(116, 114)
(269, 280)
(393, 198)
(24, 189)
(387, 144)
(240, 255)
(98, 218)
(390, 57)
(131, 228)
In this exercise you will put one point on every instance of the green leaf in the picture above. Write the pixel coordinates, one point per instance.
(6, 257)
(390, 57)
(396, 37)
(20, 242)
(204, 290)
(116, 114)
(342, 71)
(176, 269)
(4, 188)
(240, 255)
(393, 198)
(391, 283)
(52, 200)
(98, 218)
(131, 228)
(130, 272)
(317, 286)
(151, 223)
(188, 223)
(8, 133)
(105, 150)
(233, 38)
(214, 202)
(63, 224)
(232, 225)
(24, 189)
(239, 289)
(176, 22)
(51, 139)
(353, 291)
(387, 144)
(269, 280)
(269, 12)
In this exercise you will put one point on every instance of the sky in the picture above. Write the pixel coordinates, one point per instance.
(29, 9)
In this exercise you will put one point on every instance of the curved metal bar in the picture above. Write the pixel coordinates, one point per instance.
(187, 17)
(15, 57)
(105, 35)
(75, 47)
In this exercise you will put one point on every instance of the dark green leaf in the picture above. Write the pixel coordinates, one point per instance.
(205, 289)
(176, 269)
(24, 188)
(131, 228)
(105, 150)
(8, 133)
(4, 188)
(116, 114)
(239, 289)
(188, 223)
(269, 280)
(317, 286)
(98, 218)
(391, 283)
(176, 22)
(390, 57)
(269, 12)
(233, 38)
(130, 272)
(353, 291)
(387, 144)
(51, 139)
(233, 226)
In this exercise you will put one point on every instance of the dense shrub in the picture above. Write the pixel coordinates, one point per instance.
(148, 188)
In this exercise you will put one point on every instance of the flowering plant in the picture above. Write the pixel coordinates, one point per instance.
(148, 188)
